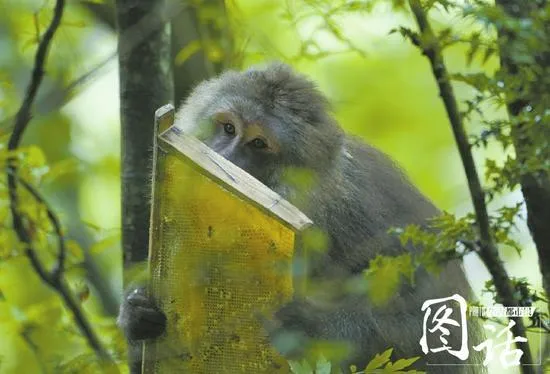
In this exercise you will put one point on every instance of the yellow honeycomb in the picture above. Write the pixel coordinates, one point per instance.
(217, 261)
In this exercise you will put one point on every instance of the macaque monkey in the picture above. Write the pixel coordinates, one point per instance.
(269, 120)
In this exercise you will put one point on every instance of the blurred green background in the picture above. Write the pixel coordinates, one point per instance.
(381, 88)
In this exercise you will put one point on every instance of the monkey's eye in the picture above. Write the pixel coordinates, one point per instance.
(259, 143)
(229, 128)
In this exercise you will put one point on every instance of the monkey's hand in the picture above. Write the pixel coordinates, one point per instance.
(139, 317)
(292, 328)
(310, 326)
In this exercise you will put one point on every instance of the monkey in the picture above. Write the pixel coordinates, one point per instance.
(269, 119)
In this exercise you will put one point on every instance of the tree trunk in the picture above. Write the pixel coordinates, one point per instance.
(145, 84)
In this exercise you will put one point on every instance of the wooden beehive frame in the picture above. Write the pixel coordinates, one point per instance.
(171, 140)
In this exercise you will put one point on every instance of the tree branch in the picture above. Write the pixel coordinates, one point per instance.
(22, 120)
(24, 114)
(488, 251)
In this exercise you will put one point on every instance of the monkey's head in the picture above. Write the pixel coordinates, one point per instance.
(264, 120)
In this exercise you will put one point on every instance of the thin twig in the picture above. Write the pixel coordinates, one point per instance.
(57, 272)
(24, 114)
(22, 120)
(488, 250)
(139, 32)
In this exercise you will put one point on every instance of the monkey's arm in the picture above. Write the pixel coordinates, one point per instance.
(352, 322)
(370, 329)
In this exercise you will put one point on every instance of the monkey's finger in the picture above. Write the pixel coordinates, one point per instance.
(138, 297)
(144, 323)
(149, 315)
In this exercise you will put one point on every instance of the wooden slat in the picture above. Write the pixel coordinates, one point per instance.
(228, 173)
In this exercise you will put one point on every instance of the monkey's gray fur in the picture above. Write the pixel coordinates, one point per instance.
(359, 194)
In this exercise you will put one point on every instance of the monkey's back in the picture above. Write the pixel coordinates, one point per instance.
(365, 195)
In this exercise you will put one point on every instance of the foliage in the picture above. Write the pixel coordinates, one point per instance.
(40, 331)
(523, 57)
(385, 274)
(495, 90)
(35, 310)
(527, 296)
(40, 335)
(380, 364)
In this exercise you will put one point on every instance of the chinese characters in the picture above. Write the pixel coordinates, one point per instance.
(446, 315)
(508, 356)
(440, 320)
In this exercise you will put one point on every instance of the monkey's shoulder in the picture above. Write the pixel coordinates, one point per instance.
(363, 158)
(372, 184)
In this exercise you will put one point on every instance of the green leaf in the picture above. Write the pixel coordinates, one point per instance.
(401, 364)
(323, 366)
(30, 42)
(355, 6)
(60, 168)
(34, 156)
(76, 23)
(378, 361)
(314, 239)
(75, 251)
(300, 368)
(384, 276)
(186, 52)
(489, 52)
(104, 244)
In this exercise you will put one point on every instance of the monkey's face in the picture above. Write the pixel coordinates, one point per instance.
(264, 121)
(249, 144)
